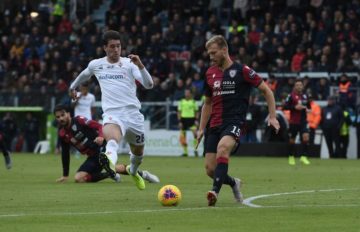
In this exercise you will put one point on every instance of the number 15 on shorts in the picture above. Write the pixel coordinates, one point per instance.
(235, 131)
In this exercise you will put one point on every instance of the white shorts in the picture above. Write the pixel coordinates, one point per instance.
(131, 123)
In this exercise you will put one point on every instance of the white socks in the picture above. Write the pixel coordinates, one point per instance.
(111, 150)
(135, 161)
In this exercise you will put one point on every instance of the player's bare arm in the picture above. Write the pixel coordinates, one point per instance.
(62, 179)
(99, 140)
(81, 78)
(269, 97)
(205, 115)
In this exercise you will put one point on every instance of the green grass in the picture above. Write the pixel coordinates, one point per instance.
(30, 200)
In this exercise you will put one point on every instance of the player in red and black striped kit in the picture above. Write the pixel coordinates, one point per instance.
(298, 104)
(227, 91)
(86, 136)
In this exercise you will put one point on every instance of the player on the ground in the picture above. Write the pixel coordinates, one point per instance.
(298, 104)
(227, 90)
(117, 77)
(86, 136)
(187, 115)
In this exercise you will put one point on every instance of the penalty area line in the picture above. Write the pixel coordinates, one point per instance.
(248, 201)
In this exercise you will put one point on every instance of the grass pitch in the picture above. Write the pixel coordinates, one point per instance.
(324, 196)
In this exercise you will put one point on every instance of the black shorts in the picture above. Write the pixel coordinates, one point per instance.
(294, 129)
(187, 123)
(91, 165)
(214, 135)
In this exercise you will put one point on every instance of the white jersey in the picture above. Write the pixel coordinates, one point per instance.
(117, 82)
(84, 104)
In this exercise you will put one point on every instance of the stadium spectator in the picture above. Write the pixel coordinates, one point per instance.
(297, 59)
(357, 125)
(332, 119)
(330, 31)
(31, 131)
(9, 129)
(313, 118)
(253, 120)
(344, 134)
(345, 93)
(5, 150)
(322, 89)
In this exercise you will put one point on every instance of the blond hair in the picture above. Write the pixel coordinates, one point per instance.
(217, 39)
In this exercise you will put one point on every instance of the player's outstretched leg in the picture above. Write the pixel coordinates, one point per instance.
(139, 181)
(218, 180)
(107, 165)
(236, 190)
(151, 178)
(212, 198)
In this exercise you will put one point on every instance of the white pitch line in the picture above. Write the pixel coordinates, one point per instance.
(248, 201)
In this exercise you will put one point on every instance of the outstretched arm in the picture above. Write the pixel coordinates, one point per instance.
(143, 76)
(81, 78)
(205, 116)
(65, 159)
(269, 97)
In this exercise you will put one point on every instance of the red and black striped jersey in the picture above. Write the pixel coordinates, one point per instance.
(293, 99)
(229, 91)
(80, 134)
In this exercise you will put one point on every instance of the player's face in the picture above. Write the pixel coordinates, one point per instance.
(187, 94)
(217, 55)
(113, 50)
(63, 117)
(84, 90)
(299, 86)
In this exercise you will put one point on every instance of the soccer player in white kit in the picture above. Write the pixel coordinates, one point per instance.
(117, 77)
(84, 103)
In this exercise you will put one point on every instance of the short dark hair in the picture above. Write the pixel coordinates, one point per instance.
(298, 80)
(110, 35)
(61, 107)
(85, 84)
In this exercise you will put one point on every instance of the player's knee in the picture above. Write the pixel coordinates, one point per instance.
(137, 150)
(223, 150)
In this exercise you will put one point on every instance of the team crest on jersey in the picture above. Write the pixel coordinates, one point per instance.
(217, 84)
(232, 73)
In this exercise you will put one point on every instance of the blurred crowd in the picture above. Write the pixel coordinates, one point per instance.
(40, 56)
